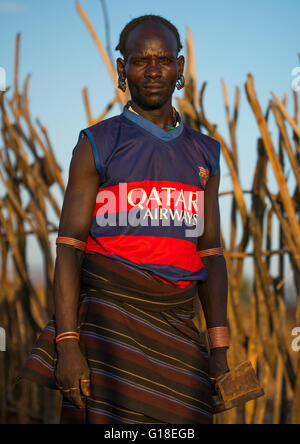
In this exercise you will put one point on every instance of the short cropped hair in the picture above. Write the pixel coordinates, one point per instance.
(146, 19)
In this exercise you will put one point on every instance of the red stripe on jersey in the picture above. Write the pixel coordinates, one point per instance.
(149, 250)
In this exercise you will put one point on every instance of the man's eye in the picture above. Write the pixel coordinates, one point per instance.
(165, 60)
(139, 62)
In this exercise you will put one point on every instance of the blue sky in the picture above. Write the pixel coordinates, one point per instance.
(232, 38)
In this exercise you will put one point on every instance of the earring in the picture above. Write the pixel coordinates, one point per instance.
(122, 84)
(180, 82)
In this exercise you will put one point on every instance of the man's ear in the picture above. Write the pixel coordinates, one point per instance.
(180, 62)
(121, 68)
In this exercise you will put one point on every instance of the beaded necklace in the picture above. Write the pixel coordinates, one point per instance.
(167, 128)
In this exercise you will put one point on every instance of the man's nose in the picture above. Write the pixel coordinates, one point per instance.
(153, 70)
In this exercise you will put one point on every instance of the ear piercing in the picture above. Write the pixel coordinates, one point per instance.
(180, 82)
(122, 84)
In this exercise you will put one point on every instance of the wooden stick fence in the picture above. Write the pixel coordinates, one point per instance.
(28, 169)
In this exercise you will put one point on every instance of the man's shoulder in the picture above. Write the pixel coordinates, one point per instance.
(99, 131)
(201, 137)
(208, 146)
(105, 125)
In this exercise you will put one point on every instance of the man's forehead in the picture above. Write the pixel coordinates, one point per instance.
(151, 37)
(150, 51)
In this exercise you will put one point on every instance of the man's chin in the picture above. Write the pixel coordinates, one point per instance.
(150, 103)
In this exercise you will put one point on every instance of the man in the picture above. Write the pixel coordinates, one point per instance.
(140, 358)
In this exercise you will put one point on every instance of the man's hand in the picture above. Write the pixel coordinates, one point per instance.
(218, 364)
(72, 373)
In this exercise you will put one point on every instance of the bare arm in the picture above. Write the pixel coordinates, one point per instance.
(213, 292)
(75, 221)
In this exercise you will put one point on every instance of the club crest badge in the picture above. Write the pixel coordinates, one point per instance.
(203, 174)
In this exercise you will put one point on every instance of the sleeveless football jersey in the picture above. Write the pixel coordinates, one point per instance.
(149, 210)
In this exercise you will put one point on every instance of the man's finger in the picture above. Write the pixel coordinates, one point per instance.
(73, 395)
(76, 398)
(85, 385)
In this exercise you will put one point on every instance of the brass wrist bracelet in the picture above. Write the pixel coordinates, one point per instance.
(218, 337)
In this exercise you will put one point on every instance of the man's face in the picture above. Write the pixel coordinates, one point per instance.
(151, 66)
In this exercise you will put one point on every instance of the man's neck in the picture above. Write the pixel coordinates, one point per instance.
(161, 116)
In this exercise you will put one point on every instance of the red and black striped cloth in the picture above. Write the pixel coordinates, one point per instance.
(147, 360)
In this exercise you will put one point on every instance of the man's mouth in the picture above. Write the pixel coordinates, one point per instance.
(153, 87)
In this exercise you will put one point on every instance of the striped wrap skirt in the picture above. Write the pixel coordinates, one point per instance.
(148, 363)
